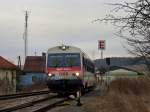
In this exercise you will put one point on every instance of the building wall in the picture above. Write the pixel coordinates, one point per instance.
(7, 81)
(31, 78)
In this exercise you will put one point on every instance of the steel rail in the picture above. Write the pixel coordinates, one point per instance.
(51, 106)
(11, 96)
(24, 105)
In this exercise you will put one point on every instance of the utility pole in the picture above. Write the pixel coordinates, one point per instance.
(25, 36)
(101, 54)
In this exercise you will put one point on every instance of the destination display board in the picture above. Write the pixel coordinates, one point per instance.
(101, 44)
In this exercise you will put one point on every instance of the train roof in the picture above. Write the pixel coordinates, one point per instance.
(64, 49)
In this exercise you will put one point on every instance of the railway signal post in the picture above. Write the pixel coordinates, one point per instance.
(101, 46)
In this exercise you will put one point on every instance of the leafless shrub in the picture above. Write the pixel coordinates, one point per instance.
(132, 21)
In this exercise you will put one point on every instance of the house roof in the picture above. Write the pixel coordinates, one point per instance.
(5, 64)
(35, 64)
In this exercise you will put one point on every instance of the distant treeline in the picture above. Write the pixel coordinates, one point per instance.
(119, 61)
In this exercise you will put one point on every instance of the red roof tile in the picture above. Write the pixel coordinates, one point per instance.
(5, 64)
(35, 64)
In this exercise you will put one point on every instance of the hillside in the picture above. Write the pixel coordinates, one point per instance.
(119, 61)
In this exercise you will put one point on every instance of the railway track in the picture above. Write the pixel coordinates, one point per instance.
(51, 105)
(11, 96)
(40, 105)
(37, 104)
(27, 104)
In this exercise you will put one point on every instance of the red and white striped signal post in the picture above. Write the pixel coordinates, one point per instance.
(101, 46)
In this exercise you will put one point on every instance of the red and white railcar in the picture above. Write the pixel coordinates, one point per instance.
(69, 70)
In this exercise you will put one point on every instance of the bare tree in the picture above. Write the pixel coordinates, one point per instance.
(132, 20)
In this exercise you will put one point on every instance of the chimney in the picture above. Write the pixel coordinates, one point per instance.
(43, 54)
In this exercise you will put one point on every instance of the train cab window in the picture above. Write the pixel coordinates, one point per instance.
(72, 59)
(55, 60)
(63, 60)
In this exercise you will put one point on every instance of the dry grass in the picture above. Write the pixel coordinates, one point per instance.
(124, 95)
(137, 86)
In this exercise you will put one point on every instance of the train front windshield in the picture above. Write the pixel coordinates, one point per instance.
(63, 60)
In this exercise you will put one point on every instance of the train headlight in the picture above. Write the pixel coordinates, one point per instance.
(63, 47)
(77, 74)
(50, 74)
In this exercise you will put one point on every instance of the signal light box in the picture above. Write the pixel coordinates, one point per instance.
(101, 44)
(108, 61)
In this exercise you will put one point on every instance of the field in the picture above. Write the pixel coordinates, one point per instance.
(124, 95)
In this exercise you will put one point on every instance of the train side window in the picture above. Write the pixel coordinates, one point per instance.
(83, 60)
(85, 64)
(88, 65)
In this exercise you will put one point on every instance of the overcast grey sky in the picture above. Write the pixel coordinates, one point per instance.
(53, 22)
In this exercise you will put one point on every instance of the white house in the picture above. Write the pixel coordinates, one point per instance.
(8, 72)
